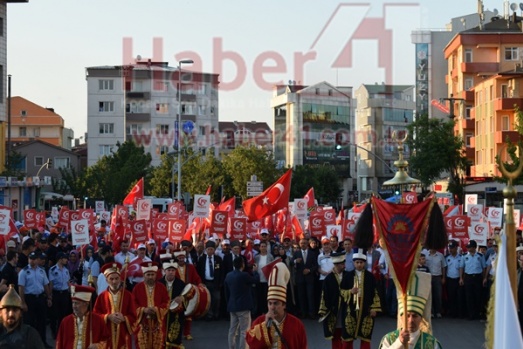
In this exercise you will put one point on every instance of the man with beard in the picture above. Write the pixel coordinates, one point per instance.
(13, 333)
(117, 306)
(152, 300)
(175, 317)
(82, 329)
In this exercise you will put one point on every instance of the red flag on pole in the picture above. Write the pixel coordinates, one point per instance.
(135, 193)
(209, 188)
(271, 200)
(310, 199)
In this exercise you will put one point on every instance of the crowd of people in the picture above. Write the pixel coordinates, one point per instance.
(139, 294)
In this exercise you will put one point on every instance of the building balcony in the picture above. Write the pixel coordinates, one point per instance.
(507, 103)
(472, 142)
(502, 136)
(470, 152)
(467, 95)
(466, 124)
(475, 68)
(138, 95)
(187, 97)
(141, 117)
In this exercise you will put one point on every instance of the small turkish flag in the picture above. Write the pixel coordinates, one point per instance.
(271, 200)
(135, 193)
(310, 199)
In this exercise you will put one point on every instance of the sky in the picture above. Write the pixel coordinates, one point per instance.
(251, 44)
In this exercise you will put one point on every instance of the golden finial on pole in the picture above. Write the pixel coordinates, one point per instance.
(510, 193)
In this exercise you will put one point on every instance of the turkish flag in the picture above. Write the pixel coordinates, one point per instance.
(271, 200)
(135, 194)
(247, 253)
(296, 225)
(228, 206)
(208, 192)
(310, 199)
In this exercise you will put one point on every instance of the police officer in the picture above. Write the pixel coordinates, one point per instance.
(59, 282)
(33, 288)
(471, 273)
(453, 260)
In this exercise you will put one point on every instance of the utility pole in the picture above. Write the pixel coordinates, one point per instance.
(451, 100)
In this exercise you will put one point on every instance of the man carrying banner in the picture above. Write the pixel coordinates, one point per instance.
(277, 328)
(116, 305)
(416, 335)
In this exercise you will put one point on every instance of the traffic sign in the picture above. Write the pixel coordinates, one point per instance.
(254, 188)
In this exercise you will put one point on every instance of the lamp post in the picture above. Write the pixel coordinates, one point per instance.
(185, 61)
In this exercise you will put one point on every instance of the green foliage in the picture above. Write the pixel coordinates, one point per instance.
(72, 182)
(199, 172)
(15, 165)
(113, 176)
(160, 182)
(324, 179)
(243, 162)
(436, 150)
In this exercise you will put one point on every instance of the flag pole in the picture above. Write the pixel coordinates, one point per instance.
(510, 194)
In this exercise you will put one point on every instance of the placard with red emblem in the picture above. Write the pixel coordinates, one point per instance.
(348, 226)
(238, 228)
(219, 222)
(457, 226)
(143, 209)
(30, 219)
(317, 224)
(409, 197)
(63, 217)
(160, 229)
(329, 216)
(80, 232)
(138, 230)
(5, 218)
(479, 233)
(201, 205)
(300, 208)
(176, 229)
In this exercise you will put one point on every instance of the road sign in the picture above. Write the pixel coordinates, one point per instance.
(254, 188)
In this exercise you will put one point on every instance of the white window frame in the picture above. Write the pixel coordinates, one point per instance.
(38, 160)
(467, 57)
(162, 108)
(106, 85)
(162, 129)
(469, 83)
(133, 127)
(505, 123)
(36, 132)
(105, 149)
(511, 53)
(22, 131)
(106, 128)
(105, 107)
(62, 162)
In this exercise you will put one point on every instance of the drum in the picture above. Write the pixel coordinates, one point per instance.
(188, 292)
(176, 307)
(198, 305)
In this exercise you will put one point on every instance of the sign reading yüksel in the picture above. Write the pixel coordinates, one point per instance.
(80, 232)
(201, 205)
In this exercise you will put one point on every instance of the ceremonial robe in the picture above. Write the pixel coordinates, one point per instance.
(106, 304)
(334, 300)
(291, 328)
(424, 340)
(150, 329)
(359, 323)
(174, 319)
(189, 275)
(94, 330)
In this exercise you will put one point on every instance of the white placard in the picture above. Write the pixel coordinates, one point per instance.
(80, 232)
(201, 205)
(479, 233)
(106, 216)
(54, 213)
(470, 199)
(495, 216)
(5, 216)
(334, 230)
(475, 213)
(300, 208)
(99, 206)
(143, 209)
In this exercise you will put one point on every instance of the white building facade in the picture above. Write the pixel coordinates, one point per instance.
(140, 102)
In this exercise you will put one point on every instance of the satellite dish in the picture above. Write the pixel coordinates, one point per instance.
(513, 6)
(495, 11)
(521, 6)
(138, 58)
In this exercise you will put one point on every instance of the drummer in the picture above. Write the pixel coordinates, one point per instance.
(175, 317)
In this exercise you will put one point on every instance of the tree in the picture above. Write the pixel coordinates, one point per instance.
(243, 162)
(161, 179)
(113, 176)
(201, 171)
(324, 179)
(436, 150)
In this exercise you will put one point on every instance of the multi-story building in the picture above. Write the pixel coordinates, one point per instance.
(485, 72)
(29, 121)
(431, 66)
(314, 125)
(238, 133)
(139, 102)
(381, 110)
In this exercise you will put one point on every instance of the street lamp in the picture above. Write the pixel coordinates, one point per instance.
(185, 61)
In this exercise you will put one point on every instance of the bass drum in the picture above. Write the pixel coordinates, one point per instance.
(198, 305)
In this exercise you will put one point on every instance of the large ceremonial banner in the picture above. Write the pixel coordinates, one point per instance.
(401, 227)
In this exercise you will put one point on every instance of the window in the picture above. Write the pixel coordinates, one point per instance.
(106, 85)
(162, 108)
(317, 91)
(137, 86)
(106, 129)
(469, 83)
(504, 91)
(62, 162)
(212, 110)
(164, 149)
(133, 129)
(39, 160)
(468, 55)
(202, 109)
(23, 112)
(23, 131)
(505, 124)
(330, 92)
(468, 138)
(105, 149)
(162, 129)
(467, 112)
(105, 107)
(160, 85)
(36, 132)
(511, 54)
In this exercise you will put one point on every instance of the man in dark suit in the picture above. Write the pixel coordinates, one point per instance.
(236, 251)
(239, 302)
(210, 269)
(305, 263)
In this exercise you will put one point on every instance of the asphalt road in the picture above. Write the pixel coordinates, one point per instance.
(452, 333)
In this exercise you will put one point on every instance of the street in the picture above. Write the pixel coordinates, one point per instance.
(452, 333)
